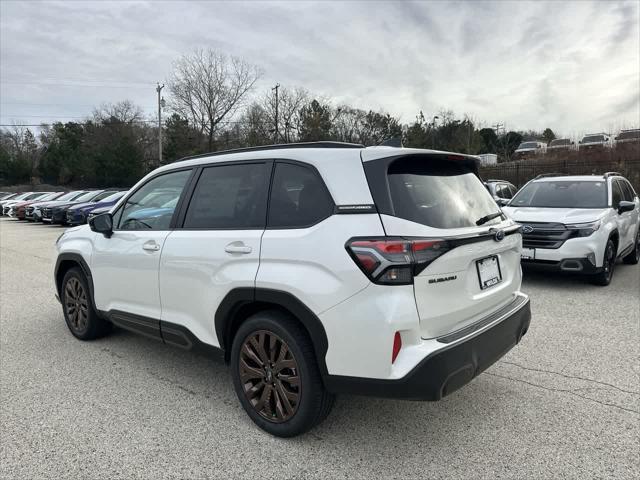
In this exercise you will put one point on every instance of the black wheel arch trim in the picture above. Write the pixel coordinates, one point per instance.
(76, 258)
(236, 299)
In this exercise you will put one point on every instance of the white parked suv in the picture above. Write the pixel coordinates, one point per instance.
(578, 224)
(314, 269)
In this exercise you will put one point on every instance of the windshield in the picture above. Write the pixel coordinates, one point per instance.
(593, 138)
(562, 194)
(560, 142)
(629, 135)
(50, 196)
(528, 145)
(87, 196)
(439, 194)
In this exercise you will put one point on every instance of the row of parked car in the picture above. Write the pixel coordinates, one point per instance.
(63, 208)
(591, 141)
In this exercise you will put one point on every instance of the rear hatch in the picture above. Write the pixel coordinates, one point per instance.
(474, 269)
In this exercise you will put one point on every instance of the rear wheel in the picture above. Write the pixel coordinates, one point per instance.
(81, 318)
(603, 278)
(634, 256)
(276, 376)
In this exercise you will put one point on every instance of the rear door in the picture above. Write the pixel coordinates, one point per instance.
(215, 248)
(440, 197)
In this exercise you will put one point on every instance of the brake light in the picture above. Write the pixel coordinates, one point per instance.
(395, 261)
(397, 345)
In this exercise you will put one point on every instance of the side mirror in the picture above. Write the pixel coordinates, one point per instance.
(503, 202)
(625, 206)
(102, 223)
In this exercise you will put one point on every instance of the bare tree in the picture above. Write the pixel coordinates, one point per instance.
(208, 87)
(122, 112)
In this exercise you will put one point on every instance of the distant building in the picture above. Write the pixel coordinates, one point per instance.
(488, 159)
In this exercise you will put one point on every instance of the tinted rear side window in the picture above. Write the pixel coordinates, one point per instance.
(627, 191)
(299, 198)
(439, 194)
(229, 197)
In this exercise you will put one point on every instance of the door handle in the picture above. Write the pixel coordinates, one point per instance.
(237, 247)
(151, 246)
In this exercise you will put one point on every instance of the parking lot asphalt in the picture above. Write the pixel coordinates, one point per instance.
(565, 403)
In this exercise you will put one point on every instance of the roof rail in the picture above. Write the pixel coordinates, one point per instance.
(612, 174)
(495, 180)
(550, 175)
(280, 146)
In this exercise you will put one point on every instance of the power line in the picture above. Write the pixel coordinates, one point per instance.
(52, 104)
(91, 85)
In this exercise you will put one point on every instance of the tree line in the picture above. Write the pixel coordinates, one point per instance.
(213, 105)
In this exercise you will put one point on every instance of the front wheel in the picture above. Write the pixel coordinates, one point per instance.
(634, 256)
(276, 376)
(603, 278)
(81, 318)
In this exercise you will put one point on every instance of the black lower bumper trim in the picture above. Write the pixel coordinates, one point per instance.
(446, 370)
(569, 265)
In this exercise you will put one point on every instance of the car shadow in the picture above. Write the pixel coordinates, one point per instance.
(357, 426)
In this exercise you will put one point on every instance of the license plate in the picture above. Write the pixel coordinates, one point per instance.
(489, 272)
(528, 254)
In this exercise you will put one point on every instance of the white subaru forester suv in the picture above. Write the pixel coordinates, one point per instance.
(313, 269)
(580, 224)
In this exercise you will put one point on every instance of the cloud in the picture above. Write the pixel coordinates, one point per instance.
(529, 64)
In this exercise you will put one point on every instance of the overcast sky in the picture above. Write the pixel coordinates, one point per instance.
(571, 66)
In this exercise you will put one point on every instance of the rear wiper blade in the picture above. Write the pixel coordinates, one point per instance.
(486, 218)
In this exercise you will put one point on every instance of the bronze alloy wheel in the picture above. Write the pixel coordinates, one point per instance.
(76, 305)
(270, 376)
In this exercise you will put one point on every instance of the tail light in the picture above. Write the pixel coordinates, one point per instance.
(397, 345)
(395, 261)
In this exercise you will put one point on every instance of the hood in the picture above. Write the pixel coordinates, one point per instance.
(78, 206)
(525, 150)
(553, 215)
(89, 207)
(99, 210)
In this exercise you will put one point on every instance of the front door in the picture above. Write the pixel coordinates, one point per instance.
(125, 266)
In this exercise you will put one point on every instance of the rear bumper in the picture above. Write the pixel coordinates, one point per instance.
(449, 368)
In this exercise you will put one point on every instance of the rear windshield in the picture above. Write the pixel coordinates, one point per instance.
(528, 145)
(439, 194)
(593, 139)
(560, 142)
(562, 194)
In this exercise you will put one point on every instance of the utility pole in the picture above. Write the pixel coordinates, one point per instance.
(160, 105)
(276, 134)
(497, 128)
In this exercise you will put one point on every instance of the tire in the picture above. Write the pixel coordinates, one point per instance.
(603, 278)
(634, 256)
(269, 347)
(77, 305)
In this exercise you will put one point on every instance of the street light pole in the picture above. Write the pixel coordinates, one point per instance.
(160, 104)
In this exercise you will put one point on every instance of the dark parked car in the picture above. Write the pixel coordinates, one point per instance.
(34, 211)
(58, 214)
(77, 214)
(500, 190)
